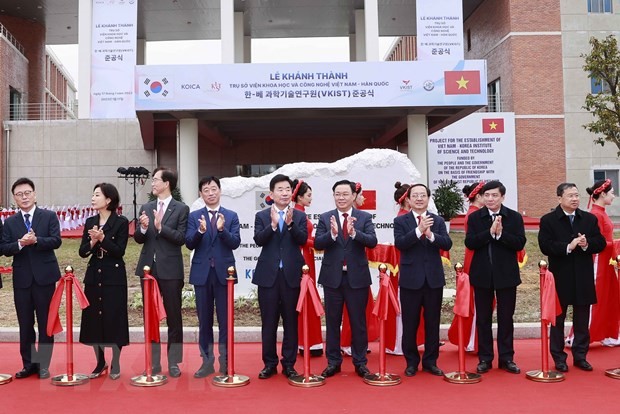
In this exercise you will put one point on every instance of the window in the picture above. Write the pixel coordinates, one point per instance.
(605, 174)
(256, 170)
(468, 40)
(600, 6)
(493, 94)
(599, 86)
(15, 104)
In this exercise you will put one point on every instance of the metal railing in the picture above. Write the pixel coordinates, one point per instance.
(8, 36)
(42, 111)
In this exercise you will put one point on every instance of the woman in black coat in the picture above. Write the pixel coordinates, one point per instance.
(105, 321)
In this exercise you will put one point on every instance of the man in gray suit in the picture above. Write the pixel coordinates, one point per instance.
(162, 225)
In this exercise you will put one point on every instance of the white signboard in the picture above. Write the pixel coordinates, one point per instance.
(376, 169)
(439, 30)
(479, 147)
(310, 85)
(113, 59)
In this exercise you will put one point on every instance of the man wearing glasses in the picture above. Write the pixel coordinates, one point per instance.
(31, 236)
(161, 231)
(344, 234)
(495, 233)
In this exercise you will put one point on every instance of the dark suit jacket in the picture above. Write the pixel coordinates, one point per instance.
(35, 262)
(573, 273)
(351, 250)
(504, 271)
(165, 245)
(112, 265)
(278, 246)
(208, 246)
(420, 260)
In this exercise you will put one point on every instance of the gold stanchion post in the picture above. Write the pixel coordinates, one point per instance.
(148, 379)
(70, 378)
(544, 374)
(615, 372)
(306, 380)
(231, 379)
(381, 378)
(461, 376)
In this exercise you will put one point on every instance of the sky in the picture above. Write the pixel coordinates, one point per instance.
(208, 51)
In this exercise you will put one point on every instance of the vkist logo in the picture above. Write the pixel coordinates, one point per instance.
(156, 89)
(405, 86)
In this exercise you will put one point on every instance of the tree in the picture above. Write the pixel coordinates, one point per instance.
(603, 66)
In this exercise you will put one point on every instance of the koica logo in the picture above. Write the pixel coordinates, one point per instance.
(155, 88)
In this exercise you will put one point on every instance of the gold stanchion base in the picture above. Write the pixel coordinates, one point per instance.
(144, 381)
(5, 379)
(462, 377)
(540, 376)
(613, 373)
(379, 380)
(313, 381)
(64, 381)
(231, 381)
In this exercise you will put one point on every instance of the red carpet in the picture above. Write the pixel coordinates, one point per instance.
(498, 392)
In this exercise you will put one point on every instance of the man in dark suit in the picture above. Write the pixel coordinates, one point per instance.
(213, 234)
(31, 236)
(344, 234)
(569, 237)
(495, 233)
(162, 225)
(280, 231)
(419, 236)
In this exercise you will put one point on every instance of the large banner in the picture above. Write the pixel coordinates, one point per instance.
(376, 169)
(311, 85)
(478, 147)
(439, 30)
(113, 59)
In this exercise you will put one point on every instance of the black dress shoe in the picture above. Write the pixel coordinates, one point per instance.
(174, 371)
(330, 371)
(289, 372)
(483, 366)
(410, 371)
(561, 366)
(204, 370)
(26, 372)
(362, 370)
(44, 373)
(267, 372)
(434, 370)
(509, 366)
(583, 364)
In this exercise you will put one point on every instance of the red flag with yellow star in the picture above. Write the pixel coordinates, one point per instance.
(463, 82)
(493, 125)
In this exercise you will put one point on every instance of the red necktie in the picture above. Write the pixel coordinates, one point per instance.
(345, 230)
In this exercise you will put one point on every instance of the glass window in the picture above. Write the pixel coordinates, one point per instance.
(256, 170)
(493, 94)
(605, 174)
(599, 86)
(600, 6)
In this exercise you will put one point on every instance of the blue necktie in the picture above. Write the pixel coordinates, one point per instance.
(281, 221)
(27, 222)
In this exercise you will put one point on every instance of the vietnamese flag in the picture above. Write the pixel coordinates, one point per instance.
(370, 200)
(463, 82)
(493, 125)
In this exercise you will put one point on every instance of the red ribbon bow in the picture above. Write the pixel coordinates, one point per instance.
(156, 312)
(308, 287)
(550, 304)
(385, 297)
(463, 295)
(53, 318)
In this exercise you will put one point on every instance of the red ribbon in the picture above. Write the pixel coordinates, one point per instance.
(550, 305)
(385, 297)
(53, 318)
(157, 312)
(463, 295)
(308, 287)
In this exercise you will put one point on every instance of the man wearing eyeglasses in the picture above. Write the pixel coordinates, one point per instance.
(419, 236)
(31, 236)
(496, 234)
(161, 231)
(343, 234)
